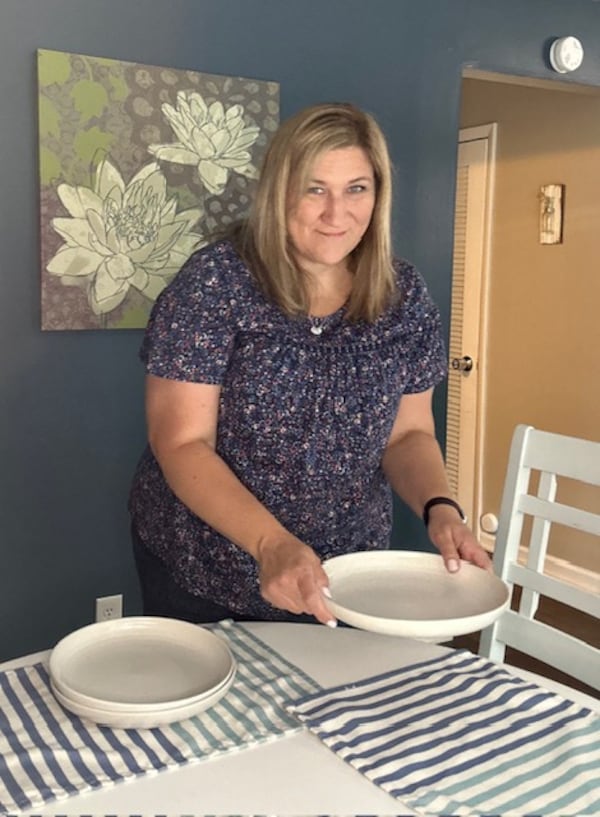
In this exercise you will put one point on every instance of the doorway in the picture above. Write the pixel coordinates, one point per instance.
(538, 363)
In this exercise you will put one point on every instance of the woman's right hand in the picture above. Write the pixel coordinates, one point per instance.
(292, 578)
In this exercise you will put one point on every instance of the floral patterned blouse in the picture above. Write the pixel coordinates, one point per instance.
(303, 423)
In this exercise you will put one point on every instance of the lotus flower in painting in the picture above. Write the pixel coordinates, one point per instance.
(122, 235)
(214, 139)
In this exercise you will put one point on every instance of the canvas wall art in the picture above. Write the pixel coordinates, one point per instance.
(139, 166)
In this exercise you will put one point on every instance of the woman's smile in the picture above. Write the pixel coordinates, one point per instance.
(330, 216)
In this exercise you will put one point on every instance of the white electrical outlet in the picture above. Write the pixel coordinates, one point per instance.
(109, 607)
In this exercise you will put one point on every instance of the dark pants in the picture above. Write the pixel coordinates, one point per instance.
(162, 596)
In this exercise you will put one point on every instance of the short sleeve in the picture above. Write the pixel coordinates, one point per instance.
(191, 330)
(423, 338)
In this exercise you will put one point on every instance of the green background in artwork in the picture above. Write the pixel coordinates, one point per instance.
(93, 108)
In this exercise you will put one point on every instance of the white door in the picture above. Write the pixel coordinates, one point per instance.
(467, 336)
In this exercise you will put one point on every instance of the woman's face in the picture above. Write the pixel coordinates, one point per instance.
(331, 214)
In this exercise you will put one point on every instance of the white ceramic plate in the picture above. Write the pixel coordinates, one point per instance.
(119, 706)
(134, 718)
(409, 593)
(140, 664)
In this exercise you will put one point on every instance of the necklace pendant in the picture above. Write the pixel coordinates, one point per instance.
(316, 329)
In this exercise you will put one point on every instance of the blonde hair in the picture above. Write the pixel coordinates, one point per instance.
(263, 240)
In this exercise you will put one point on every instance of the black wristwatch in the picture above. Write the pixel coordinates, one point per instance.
(441, 500)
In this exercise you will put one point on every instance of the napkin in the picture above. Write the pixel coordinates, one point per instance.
(47, 753)
(460, 735)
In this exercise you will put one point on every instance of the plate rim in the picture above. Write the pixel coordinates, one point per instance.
(430, 629)
(101, 632)
(134, 719)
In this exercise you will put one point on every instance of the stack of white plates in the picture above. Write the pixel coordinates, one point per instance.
(140, 672)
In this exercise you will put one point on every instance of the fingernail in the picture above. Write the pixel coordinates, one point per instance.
(452, 565)
(327, 592)
(331, 623)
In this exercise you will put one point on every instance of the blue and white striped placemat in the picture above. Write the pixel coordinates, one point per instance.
(47, 754)
(460, 735)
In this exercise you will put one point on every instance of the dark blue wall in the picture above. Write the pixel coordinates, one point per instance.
(71, 415)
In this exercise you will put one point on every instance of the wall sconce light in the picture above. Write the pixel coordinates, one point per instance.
(551, 213)
(566, 54)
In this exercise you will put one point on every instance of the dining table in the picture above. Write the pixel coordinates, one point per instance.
(301, 770)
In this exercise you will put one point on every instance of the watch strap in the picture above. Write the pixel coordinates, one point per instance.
(441, 500)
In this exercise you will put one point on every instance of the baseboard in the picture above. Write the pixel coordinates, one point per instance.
(562, 569)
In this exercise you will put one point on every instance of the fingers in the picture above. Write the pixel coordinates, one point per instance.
(444, 539)
(451, 557)
(482, 559)
(456, 542)
(314, 594)
(304, 597)
(452, 563)
(298, 586)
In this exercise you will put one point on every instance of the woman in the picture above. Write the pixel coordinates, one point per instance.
(290, 370)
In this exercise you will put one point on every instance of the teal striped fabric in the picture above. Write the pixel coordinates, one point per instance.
(47, 754)
(460, 735)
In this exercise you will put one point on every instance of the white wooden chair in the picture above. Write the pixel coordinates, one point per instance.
(553, 456)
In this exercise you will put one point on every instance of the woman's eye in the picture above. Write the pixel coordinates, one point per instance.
(318, 191)
(358, 188)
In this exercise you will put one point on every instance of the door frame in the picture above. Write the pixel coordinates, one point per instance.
(487, 132)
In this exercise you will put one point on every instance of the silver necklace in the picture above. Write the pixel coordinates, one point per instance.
(316, 325)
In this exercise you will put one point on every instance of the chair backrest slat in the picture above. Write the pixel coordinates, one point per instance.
(547, 644)
(560, 514)
(555, 589)
(554, 456)
(566, 456)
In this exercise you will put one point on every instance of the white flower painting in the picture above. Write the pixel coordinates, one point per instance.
(139, 167)
(122, 235)
(212, 138)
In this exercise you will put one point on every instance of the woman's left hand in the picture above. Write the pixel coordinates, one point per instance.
(456, 541)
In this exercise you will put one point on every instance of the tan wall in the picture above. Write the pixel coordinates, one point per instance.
(543, 366)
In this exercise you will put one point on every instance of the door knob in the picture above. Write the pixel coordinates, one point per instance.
(462, 364)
